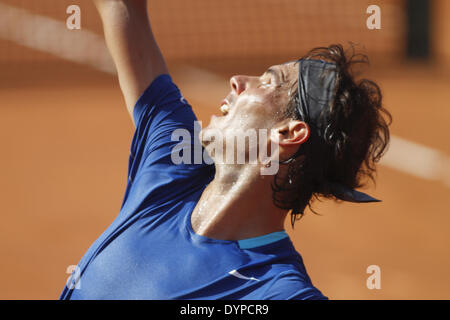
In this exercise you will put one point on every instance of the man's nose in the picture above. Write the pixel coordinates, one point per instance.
(239, 83)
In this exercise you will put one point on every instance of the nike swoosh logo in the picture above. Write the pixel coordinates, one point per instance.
(240, 276)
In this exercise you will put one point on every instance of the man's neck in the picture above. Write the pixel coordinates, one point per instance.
(236, 205)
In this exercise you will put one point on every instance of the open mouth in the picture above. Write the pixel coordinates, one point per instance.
(225, 107)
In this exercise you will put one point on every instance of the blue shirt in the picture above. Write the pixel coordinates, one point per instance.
(150, 250)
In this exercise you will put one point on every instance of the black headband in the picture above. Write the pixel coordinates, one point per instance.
(316, 85)
(316, 89)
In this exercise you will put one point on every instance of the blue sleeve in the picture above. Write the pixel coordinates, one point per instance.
(159, 112)
(291, 286)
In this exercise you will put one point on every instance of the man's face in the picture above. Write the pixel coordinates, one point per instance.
(255, 102)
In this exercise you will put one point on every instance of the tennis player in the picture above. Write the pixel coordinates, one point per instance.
(215, 230)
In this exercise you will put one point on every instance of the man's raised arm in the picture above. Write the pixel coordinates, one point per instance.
(132, 46)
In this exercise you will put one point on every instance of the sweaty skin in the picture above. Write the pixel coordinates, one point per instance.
(237, 204)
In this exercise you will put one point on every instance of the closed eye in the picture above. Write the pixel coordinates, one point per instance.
(266, 82)
(271, 77)
(269, 84)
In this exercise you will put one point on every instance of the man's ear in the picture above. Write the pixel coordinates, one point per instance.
(292, 134)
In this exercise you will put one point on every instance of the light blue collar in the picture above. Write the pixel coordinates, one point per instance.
(262, 240)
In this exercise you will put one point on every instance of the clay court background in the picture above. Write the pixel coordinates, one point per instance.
(65, 136)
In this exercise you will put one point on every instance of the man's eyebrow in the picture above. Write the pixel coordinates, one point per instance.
(276, 74)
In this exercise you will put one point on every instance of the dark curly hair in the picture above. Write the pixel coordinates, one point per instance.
(354, 136)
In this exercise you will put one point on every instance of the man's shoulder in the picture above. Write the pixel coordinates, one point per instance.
(291, 284)
(161, 95)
